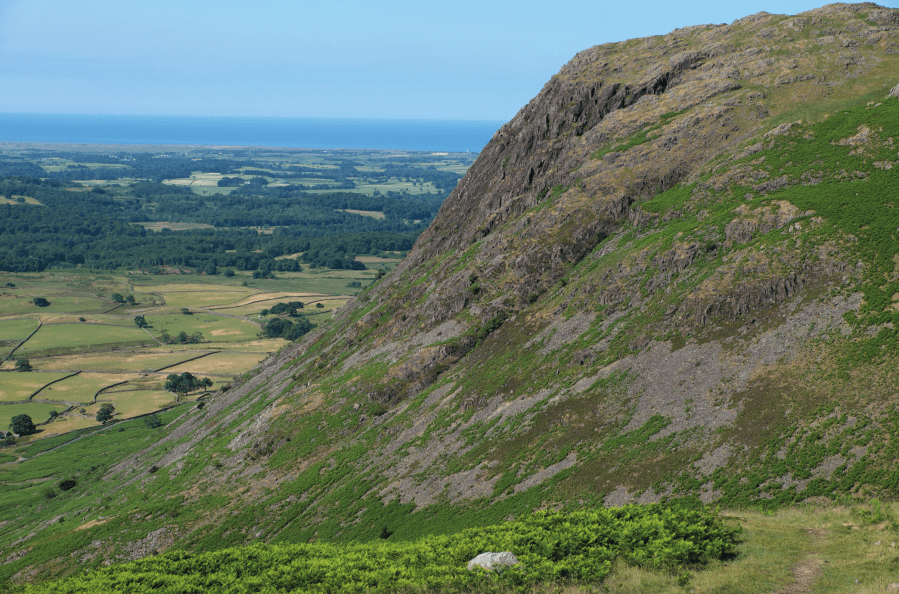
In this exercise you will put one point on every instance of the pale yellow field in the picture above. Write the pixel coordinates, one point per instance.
(109, 319)
(366, 213)
(197, 179)
(144, 360)
(12, 200)
(82, 387)
(377, 260)
(197, 287)
(269, 345)
(221, 363)
(206, 298)
(274, 297)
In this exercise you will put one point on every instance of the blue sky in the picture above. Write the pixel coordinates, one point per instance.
(466, 59)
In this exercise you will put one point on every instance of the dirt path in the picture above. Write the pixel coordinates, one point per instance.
(804, 575)
(808, 569)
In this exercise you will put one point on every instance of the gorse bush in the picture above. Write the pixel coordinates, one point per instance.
(551, 546)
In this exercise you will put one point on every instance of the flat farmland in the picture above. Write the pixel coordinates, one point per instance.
(12, 332)
(143, 360)
(137, 402)
(22, 302)
(38, 411)
(251, 306)
(197, 295)
(197, 178)
(80, 389)
(213, 328)
(262, 345)
(69, 338)
(84, 330)
(223, 363)
(16, 386)
(122, 319)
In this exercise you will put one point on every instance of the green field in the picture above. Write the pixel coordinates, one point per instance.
(12, 332)
(69, 338)
(137, 402)
(200, 296)
(80, 389)
(38, 411)
(108, 348)
(20, 302)
(16, 386)
(213, 328)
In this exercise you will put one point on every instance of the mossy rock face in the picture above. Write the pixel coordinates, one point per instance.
(674, 274)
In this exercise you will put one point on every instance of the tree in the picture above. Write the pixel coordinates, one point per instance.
(40, 302)
(185, 383)
(23, 365)
(106, 412)
(140, 322)
(117, 297)
(185, 311)
(130, 300)
(282, 328)
(22, 425)
(152, 421)
(165, 337)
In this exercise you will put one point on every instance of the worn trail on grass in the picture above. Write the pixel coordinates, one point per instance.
(808, 569)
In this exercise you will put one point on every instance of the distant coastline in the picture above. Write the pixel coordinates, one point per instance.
(315, 133)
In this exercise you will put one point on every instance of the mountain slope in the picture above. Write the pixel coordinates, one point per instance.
(673, 273)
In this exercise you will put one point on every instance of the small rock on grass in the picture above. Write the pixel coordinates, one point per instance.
(489, 561)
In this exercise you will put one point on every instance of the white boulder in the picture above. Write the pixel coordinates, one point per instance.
(493, 561)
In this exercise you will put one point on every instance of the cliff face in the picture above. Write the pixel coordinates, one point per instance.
(634, 270)
(673, 273)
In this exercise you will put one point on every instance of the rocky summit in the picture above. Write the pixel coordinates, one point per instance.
(674, 273)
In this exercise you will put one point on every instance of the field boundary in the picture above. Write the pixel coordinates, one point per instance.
(187, 361)
(319, 300)
(39, 390)
(103, 389)
(153, 337)
(39, 325)
(114, 308)
(108, 425)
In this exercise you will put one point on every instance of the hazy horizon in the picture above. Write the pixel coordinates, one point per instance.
(469, 61)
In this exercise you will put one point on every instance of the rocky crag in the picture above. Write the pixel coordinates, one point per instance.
(673, 274)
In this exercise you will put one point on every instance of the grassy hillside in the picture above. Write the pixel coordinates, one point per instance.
(672, 277)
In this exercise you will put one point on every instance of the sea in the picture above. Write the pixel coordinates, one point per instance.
(313, 133)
